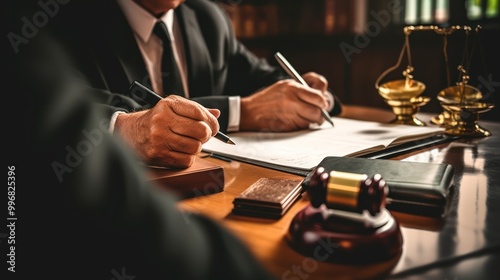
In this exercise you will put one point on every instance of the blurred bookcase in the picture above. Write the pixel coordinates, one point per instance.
(257, 19)
(264, 18)
(313, 35)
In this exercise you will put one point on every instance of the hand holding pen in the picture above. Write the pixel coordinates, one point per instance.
(152, 98)
(295, 75)
(171, 133)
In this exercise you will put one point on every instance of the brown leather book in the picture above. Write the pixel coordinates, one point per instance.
(268, 198)
(201, 178)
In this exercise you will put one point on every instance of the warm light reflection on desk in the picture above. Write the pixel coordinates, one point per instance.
(469, 228)
(472, 209)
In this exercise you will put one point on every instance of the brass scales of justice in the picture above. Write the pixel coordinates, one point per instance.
(461, 103)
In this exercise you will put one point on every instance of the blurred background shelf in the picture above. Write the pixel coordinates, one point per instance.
(351, 42)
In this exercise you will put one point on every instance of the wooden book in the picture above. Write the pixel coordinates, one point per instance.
(201, 178)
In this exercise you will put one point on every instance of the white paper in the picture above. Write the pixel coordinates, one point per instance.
(305, 149)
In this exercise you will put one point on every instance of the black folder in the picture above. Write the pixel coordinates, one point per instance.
(414, 187)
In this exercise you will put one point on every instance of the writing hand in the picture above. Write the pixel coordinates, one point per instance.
(284, 106)
(171, 133)
(320, 83)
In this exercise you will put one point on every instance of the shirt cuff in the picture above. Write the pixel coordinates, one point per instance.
(234, 114)
(113, 120)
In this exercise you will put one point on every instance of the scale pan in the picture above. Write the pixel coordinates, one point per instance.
(401, 89)
(452, 94)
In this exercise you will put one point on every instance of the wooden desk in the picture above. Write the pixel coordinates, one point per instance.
(464, 244)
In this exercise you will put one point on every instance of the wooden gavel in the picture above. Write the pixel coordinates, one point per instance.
(346, 191)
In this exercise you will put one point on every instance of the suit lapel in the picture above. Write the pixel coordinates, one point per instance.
(128, 54)
(197, 56)
(124, 62)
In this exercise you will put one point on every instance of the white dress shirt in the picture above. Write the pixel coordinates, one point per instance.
(142, 24)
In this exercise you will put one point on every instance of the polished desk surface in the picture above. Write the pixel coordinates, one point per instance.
(463, 245)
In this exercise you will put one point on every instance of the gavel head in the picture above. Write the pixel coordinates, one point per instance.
(346, 191)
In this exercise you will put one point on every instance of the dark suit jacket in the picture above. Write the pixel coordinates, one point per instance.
(218, 64)
(84, 206)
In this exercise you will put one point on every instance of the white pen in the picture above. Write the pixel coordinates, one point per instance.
(292, 72)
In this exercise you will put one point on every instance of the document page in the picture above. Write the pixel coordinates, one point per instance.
(306, 148)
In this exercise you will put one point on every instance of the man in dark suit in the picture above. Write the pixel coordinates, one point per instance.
(83, 206)
(115, 45)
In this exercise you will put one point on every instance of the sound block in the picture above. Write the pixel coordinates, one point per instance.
(201, 178)
(345, 237)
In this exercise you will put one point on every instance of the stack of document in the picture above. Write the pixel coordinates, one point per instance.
(303, 150)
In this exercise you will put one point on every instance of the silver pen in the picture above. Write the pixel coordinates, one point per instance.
(292, 72)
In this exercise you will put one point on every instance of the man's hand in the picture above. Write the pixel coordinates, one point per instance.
(171, 133)
(286, 105)
(320, 83)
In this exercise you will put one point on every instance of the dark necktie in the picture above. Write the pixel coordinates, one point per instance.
(171, 77)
